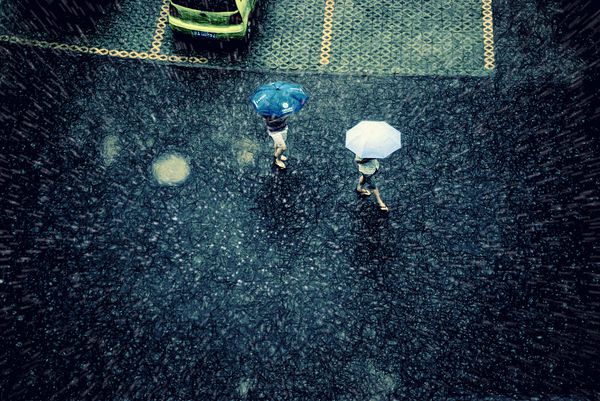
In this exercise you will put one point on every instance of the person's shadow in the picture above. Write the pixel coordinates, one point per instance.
(375, 246)
(288, 202)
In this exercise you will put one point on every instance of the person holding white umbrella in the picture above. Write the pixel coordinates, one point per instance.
(366, 182)
(372, 140)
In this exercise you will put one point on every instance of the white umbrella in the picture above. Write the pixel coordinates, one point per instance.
(373, 139)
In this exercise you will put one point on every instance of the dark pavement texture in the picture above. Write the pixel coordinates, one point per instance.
(248, 283)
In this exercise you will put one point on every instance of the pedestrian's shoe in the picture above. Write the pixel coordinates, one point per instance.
(279, 164)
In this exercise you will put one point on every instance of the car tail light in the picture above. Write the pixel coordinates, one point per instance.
(235, 19)
(173, 11)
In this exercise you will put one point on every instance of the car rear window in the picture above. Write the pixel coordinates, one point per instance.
(208, 5)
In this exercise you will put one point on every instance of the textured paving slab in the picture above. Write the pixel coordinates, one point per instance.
(408, 37)
(128, 26)
(380, 37)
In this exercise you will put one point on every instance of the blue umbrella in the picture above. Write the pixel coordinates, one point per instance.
(279, 99)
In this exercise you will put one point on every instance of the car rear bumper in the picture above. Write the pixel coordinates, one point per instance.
(207, 30)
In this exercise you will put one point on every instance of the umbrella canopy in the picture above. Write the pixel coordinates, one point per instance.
(373, 139)
(278, 99)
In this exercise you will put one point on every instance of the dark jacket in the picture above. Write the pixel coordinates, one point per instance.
(276, 124)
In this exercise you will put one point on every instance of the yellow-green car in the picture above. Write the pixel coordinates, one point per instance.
(214, 19)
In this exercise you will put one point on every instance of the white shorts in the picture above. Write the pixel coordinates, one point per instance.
(279, 138)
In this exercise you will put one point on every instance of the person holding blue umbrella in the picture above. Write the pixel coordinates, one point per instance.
(277, 129)
(370, 141)
(276, 102)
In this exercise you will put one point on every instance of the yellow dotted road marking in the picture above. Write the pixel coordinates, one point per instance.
(327, 29)
(488, 36)
(161, 24)
(101, 51)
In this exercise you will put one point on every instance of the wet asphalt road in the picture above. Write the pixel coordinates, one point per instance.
(249, 283)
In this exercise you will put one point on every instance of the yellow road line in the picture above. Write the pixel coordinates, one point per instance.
(101, 51)
(488, 35)
(161, 24)
(327, 30)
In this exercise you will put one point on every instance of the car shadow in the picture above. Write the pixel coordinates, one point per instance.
(189, 46)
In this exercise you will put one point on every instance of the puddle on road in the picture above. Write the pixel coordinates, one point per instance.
(170, 169)
(110, 149)
(244, 150)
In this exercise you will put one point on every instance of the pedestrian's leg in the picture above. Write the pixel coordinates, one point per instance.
(279, 143)
(359, 187)
(382, 206)
(278, 151)
(283, 157)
